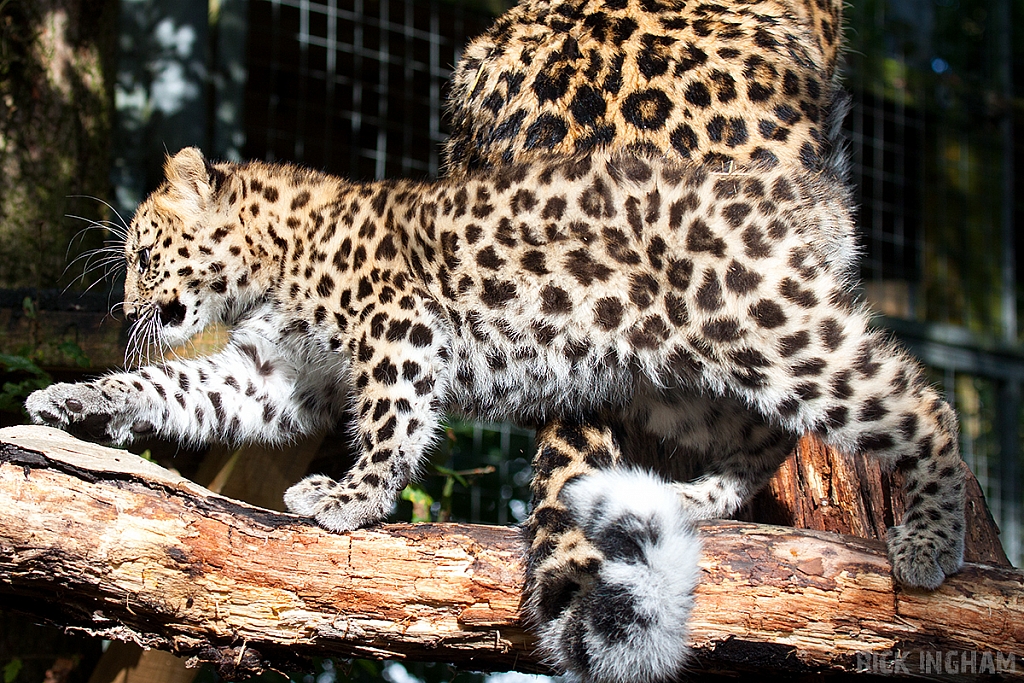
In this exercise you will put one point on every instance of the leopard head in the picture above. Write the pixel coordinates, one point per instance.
(186, 255)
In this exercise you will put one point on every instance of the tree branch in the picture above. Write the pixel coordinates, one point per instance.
(108, 544)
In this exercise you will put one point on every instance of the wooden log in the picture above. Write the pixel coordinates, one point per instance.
(823, 489)
(109, 544)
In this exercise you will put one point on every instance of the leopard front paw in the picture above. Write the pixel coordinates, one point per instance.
(921, 559)
(97, 411)
(337, 506)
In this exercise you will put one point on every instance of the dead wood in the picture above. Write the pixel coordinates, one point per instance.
(109, 544)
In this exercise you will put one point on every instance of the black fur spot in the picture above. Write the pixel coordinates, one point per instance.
(647, 109)
(699, 238)
(873, 409)
(736, 213)
(831, 333)
(587, 105)
(741, 279)
(608, 313)
(675, 308)
(300, 200)
(497, 293)
(722, 330)
(684, 140)
(709, 296)
(642, 290)
(791, 290)
(553, 208)
(555, 300)
(533, 261)
(617, 245)
(547, 131)
(680, 273)
(550, 459)
(488, 258)
(386, 372)
(878, 441)
(584, 268)
(420, 335)
(794, 343)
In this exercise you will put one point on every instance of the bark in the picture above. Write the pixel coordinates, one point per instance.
(820, 488)
(56, 105)
(111, 545)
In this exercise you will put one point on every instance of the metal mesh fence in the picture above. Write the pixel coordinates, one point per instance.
(356, 87)
(353, 86)
(932, 136)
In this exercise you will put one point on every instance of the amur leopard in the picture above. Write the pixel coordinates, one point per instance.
(700, 292)
(738, 88)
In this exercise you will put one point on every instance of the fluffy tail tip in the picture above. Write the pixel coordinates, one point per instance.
(619, 609)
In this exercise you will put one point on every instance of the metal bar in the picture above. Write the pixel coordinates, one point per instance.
(1008, 480)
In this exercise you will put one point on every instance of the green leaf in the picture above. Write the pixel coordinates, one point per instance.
(12, 669)
(421, 502)
(21, 364)
(75, 353)
(372, 668)
(29, 308)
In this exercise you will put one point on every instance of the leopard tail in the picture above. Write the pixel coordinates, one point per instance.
(612, 561)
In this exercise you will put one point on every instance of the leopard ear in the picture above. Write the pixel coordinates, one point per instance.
(188, 174)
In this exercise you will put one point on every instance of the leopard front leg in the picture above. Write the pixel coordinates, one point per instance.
(250, 391)
(111, 409)
(398, 376)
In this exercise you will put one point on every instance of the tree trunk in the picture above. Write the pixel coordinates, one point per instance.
(56, 106)
(820, 488)
(114, 546)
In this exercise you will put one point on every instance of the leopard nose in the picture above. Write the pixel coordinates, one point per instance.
(131, 313)
(172, 313)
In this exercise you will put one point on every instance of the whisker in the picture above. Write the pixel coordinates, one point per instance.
(106, 204)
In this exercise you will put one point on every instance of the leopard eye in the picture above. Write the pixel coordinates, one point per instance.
(143, 260)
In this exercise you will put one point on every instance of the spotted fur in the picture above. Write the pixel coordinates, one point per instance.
(729, 85)
(563, 287)
(715, 83)
(597, 289)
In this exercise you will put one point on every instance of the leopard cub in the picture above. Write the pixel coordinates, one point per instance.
(613, 285)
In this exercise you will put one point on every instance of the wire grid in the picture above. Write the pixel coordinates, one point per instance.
(885, 144)
(933, 175)
(503, 496)
(353, 87)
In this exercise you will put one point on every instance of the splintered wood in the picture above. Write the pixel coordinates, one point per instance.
(105, 543)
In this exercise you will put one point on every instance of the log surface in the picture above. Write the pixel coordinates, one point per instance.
(109, 544)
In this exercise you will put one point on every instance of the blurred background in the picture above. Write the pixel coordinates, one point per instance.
(93, 93)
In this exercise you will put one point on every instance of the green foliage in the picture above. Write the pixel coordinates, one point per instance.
(421, 502)
(35, 349)
(13, 667)
(20, 373)
(20, 378)
(16, 34)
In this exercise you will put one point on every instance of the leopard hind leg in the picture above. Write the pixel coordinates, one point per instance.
(828, 373)
(717, 451)
(612, 560)
(885, 407)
